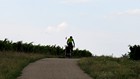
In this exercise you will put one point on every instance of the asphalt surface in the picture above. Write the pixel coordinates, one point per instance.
(53, 68)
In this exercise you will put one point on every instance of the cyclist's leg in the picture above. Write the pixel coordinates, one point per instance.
(66, 50)
(71, 50)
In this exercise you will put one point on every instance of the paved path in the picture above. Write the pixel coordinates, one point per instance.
(54, 68)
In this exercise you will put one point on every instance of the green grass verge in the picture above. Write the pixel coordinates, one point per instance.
(12, 63)
(110, 68)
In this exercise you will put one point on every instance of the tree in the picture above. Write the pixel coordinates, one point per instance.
(134, 52)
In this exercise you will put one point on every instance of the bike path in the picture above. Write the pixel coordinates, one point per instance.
(54, 68)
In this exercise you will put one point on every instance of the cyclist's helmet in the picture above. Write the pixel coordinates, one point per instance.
(70, 36)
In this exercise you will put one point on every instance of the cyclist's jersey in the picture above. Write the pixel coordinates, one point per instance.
(70, 40)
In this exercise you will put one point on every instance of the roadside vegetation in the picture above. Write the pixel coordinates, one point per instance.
(12, 63)
(49, 50)
(111, 68)
(107, 67)
(14, 56)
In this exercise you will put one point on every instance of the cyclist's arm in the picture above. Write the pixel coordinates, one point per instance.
(67, 41)
(73, 43)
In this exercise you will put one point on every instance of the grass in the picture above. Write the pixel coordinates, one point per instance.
(12, 63)
(110, 68)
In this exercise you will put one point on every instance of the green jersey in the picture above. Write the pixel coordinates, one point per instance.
(70, 40)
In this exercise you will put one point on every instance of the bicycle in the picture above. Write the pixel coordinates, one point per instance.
(68, 52)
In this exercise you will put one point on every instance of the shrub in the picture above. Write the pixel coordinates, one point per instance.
(81, 53)
(134, 52)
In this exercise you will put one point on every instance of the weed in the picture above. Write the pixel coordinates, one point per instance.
(110, 68)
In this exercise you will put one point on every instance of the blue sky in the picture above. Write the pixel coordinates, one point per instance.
(104, 27)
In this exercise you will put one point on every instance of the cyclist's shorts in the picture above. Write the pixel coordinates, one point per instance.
(70, 45)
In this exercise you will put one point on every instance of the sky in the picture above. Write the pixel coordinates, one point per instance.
(104, 27)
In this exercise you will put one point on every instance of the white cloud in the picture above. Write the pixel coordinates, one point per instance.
(57, 28)
(75, 1)
(131, 12)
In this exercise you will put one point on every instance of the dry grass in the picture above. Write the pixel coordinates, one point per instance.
(111, 68)
(12, 63)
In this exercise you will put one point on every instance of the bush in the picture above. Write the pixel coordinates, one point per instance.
(50, 50)
(81, 53)
(134, 52)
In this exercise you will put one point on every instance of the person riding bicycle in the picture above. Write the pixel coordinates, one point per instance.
(71, 43)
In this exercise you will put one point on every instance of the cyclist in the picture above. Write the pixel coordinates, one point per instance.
(71, 43)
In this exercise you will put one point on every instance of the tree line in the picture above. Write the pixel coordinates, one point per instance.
(19, 46)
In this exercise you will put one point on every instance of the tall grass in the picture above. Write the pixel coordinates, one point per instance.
(12, 63)
(110, 68)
